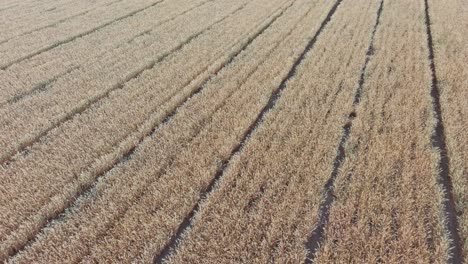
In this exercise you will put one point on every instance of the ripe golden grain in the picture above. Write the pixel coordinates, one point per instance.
(450, 33)
(216, 131)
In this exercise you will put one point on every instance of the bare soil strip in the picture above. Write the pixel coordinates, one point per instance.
(316, 237)
(386, 196)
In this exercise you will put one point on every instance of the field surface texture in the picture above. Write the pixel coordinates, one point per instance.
(234, 131)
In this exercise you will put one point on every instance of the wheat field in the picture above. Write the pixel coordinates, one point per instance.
(245, 131)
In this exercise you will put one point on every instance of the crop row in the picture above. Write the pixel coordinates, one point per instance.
(253, 131)
(73, 155)
(202, 133)
(25, 121)
(18, 21)
(269, 196)
(93, 51)
(26, 46)
(450, 35)
(387, 205)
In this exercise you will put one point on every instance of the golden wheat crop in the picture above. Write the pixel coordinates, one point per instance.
(450, 33)
(246, 131)
(387, 197)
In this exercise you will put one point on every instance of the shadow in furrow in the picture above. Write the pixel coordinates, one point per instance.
(6, 159)
(186, 223)
(148, 31)
(38, 88)
(84, 189)
(73, 38)
(313, 242)
(113, 3)
(317, 235)
(145, 32)
(438, 142)
(46, 26)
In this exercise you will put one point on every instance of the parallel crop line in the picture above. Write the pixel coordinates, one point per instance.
(36, 7)
(128, 156)
(70, 39)
(9, 157)
(438, 142)
(168, 20)
(86, 190)
(316, 237)
(55, 23)
(38, 88)
(15, 251)
(102, 54)
(109, 4)
(186, 223)
(46, 26)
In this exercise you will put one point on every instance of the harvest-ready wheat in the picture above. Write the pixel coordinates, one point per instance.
(245, 131)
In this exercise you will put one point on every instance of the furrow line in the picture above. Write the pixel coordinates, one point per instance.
(109, 4)
(70, 39)
(102, 54)
(86, 190)
(46, 26)
(118, 181)
(221, 218)
(56, 22)
(86, 175)
(317, 235)
(132, 202)
(28, 10)
(167, 20)
(186, 223)
(439, 143)
(386, 203)
(198, 90)
(19, 21)
(41, 87)
(9, 157)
